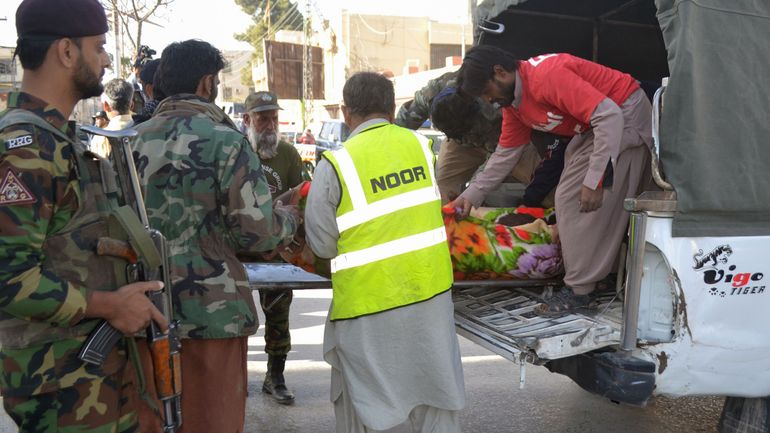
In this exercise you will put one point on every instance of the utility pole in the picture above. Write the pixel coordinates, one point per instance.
(307, 68)
(267, 17)
(473, 9)
(116, 67)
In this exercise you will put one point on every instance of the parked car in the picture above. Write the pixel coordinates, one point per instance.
(333, 134)
(291, 137)
(435, 135)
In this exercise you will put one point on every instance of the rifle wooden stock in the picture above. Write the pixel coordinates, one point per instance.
(116, 248)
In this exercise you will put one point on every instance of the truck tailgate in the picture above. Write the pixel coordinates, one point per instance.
(501, 319)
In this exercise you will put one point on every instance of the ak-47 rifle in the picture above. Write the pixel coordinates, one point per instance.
(151, 264)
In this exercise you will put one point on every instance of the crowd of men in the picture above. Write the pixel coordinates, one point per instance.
(221, 197)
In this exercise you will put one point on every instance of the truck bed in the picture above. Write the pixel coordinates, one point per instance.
(496, 314)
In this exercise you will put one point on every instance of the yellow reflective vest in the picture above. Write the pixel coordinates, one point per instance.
(392, 249)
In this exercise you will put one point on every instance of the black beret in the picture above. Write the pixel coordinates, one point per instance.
(57, 18)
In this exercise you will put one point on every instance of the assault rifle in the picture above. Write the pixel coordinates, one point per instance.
(146, 253)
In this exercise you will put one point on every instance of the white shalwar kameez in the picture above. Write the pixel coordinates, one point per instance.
(393, 366)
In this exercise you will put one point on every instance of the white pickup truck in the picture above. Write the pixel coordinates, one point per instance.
(692, 310)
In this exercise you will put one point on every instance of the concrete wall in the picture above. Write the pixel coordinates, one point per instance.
(386, 43)
(355, 42)
(10, 74)
(230, 87)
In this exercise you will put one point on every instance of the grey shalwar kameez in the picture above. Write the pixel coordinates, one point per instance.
(391, 366)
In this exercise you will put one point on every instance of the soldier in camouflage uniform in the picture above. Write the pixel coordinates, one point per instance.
(283, 168)
(473, 129)
(206, 192)
(55, 201)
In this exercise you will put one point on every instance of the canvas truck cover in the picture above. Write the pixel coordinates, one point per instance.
(715, 127)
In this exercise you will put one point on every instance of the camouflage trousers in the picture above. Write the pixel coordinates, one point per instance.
(96, 406)
(275, 305)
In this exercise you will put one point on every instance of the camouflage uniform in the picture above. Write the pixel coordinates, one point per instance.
(486, 128)
(55, 198)
(205, 191)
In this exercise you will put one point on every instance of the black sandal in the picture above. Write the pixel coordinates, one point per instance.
(562, 301)
(607, 284)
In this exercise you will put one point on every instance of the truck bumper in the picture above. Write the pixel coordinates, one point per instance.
(616, 376)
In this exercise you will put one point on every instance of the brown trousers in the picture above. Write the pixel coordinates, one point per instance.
(214, 380)
(456, 165)
(590, 241)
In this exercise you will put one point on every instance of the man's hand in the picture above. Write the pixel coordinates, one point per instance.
(292, 210)
(590, 199)
(291, 196)
(554, 234)
(128, 309)
(462, 206)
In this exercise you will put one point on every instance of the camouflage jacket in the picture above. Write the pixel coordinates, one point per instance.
(486, 130)
(50, 211)
(206, 192)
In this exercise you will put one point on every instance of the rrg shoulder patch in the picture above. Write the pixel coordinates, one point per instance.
(21, 141)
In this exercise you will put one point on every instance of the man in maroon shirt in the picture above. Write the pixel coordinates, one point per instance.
(609, 119)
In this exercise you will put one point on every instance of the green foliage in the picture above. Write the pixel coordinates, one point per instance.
(283, 15)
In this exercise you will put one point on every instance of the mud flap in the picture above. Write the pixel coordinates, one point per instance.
(618, 377)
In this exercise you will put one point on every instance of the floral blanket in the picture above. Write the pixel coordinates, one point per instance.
(492, 243)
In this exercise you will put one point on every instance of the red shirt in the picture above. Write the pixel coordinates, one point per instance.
(559, 94)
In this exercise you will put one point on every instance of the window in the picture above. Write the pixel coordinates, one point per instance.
(6, 66)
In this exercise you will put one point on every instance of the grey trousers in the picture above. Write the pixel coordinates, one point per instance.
(457, 164)
(590, 241)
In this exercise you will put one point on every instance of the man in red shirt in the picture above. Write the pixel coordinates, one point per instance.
(609, 119)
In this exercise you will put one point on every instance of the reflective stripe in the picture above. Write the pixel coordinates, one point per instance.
(388, 249)
(425, 145)
(350, 175)
(363, 211)
(386, 206)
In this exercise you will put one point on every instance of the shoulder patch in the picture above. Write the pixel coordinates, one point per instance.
(16, 142)
(13, 191)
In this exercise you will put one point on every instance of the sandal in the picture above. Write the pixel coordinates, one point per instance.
(563, 301)
(607, 284)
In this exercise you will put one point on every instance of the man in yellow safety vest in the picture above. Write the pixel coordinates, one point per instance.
(374, 210)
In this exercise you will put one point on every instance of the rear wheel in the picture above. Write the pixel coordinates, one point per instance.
(745, 415)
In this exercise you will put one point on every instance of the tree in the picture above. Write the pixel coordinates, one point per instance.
(268, 16)
(134, 13)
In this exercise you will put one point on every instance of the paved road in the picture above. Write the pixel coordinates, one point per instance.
(549, 403)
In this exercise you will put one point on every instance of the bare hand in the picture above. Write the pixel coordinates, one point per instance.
(290, 197)
(292, 210)
(554, 234)
(461, 206)
(128, 309)
(590, 199)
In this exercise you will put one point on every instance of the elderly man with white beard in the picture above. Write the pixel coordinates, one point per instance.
(283, 169)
